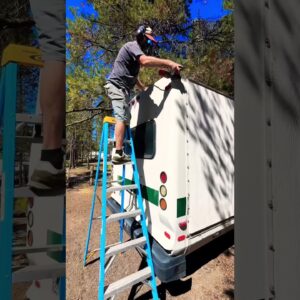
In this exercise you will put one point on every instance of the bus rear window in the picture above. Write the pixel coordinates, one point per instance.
(144, 140)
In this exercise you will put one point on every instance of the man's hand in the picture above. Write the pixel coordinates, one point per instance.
(175, 67)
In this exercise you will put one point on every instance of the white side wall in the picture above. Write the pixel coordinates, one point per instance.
(190, 159)
(210, 149)
(267, 94)
(167, 108)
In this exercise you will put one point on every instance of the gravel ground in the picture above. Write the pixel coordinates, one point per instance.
(212, 275)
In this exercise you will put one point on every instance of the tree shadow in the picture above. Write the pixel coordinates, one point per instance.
(216, 145)
(210, 124)
(194, 262)
(153, 110)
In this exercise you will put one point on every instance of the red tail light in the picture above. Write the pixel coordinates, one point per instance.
(183, 225)
(181, 238)
(163, 177)
(167, 235)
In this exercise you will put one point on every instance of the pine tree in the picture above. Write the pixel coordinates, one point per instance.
(93, 41)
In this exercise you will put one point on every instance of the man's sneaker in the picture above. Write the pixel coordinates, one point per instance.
(46, 180)
(118, 159)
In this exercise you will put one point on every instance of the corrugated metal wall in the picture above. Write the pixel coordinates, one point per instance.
(267, 133)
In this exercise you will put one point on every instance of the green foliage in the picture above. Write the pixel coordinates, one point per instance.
(205, 49)
(211, 54)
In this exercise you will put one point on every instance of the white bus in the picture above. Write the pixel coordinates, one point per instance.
(184, 143)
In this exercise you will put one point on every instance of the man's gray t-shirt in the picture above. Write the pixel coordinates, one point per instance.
(126, 66)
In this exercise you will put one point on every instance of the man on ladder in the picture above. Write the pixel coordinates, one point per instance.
(124, 77)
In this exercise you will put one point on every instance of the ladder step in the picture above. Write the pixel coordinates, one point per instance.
(114, 181)
(121, 188)
(109, 182)
(125, 246)
(29, 118)
(20, 221)
(29, 139)
(23, 192)
(21, 250)
(36, 272)
(123, 215)
(99, 218)
(126, 282)
(110, 163)
(124, 141)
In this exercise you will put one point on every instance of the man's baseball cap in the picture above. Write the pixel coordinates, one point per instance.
(149, 35)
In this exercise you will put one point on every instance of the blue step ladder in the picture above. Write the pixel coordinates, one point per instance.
(13, 57)
(108, 253)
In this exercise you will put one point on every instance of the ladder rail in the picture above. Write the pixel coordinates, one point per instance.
(93, 201)
(104, 198)
(122, 203)
(126, 137)
(9, 78)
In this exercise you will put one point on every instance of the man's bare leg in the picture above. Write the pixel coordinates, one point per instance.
(120, 156)
(52, 95)
(119, 133)
(49, 173)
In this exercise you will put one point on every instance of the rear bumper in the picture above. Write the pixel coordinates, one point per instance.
(167, 268)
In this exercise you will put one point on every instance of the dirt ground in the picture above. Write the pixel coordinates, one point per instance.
(212, 276)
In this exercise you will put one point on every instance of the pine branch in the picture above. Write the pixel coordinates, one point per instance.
(89, 109)
(84, 120)
(86, 39)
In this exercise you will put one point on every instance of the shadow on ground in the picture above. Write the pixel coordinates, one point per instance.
(194, 262)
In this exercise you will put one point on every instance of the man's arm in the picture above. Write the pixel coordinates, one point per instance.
(154, 62)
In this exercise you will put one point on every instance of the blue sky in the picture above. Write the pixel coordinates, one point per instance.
(81, 4)
(210, 10)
